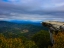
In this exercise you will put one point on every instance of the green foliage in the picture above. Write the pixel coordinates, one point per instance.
(30, 44)
(59, 40)
(42, 39)
(15, 43)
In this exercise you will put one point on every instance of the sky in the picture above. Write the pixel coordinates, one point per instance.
(35, 10)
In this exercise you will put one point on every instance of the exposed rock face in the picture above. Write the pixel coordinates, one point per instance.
(54, 26)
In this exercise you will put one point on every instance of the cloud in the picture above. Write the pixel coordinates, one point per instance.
(18, 16)
(32, 10)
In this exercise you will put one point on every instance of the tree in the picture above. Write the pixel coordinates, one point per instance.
(42, 39)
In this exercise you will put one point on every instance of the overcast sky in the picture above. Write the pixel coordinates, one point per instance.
(35, 10)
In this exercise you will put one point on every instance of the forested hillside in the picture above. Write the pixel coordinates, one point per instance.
(14, 35)
(19, 29)
(39, 40)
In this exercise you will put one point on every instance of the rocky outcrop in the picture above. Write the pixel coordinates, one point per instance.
(54, 26)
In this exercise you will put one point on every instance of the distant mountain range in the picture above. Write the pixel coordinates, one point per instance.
(27, 22)
(25, 28)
